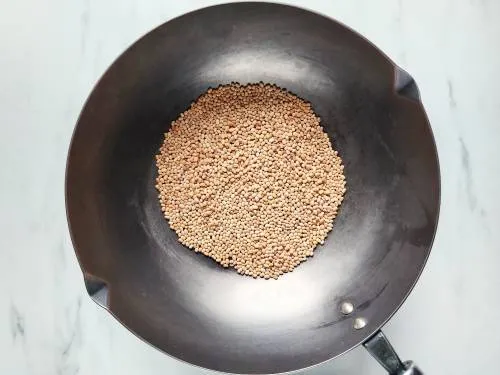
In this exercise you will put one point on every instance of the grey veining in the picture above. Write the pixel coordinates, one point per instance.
(451, 95)
(16, 323)
(52, 53)
(469, 188)
(71, 340)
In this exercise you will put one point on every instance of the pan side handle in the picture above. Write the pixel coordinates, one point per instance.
(381, 349)
(97, 289)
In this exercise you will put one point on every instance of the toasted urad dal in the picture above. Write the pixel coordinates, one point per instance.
(248, 177)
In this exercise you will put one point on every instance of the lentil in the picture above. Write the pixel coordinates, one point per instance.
(248, 177)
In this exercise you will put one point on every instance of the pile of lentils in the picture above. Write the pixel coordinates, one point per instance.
(248, 177)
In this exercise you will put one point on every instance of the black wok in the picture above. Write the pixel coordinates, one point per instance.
(183, 302)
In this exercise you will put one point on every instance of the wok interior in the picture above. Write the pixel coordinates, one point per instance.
(186, 304)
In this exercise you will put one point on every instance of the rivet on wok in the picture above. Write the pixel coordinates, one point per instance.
(346, 308)
(359, 323)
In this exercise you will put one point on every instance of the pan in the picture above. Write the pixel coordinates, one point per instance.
(184, 303)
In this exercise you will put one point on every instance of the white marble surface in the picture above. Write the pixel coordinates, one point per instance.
(51, 54)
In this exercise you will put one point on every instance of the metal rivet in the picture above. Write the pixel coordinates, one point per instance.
(359, 323)
(346, 308)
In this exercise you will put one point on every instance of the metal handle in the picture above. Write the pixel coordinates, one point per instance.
(405, 85)
(381, 349)
(97, 289)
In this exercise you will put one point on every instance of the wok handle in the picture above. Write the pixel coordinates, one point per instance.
(97, 289)
(381, 349)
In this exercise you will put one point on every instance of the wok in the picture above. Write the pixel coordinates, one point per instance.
(183, 302)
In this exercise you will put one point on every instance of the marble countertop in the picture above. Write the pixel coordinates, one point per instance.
(52, 53)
